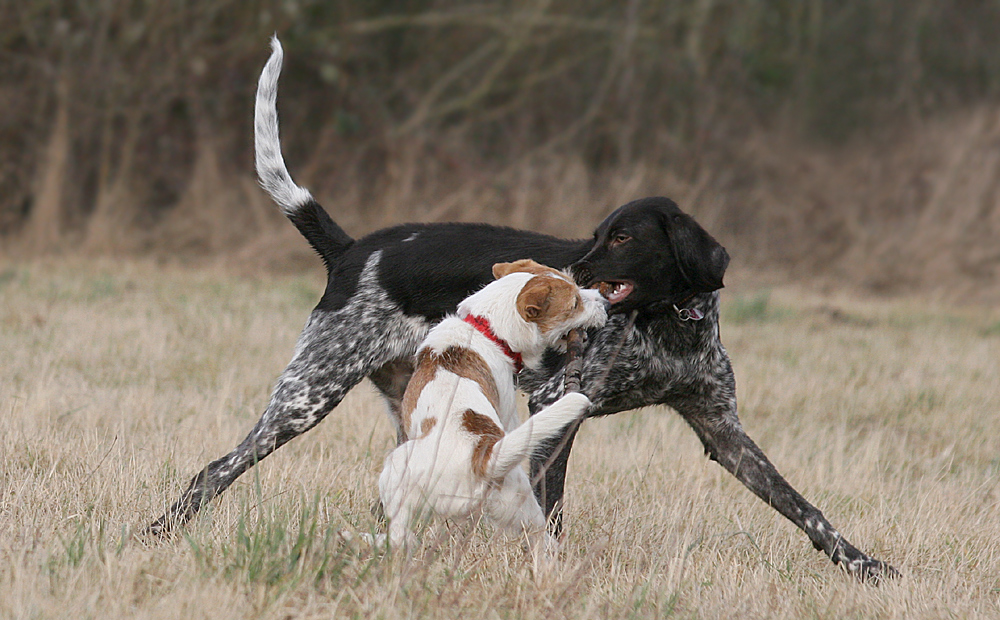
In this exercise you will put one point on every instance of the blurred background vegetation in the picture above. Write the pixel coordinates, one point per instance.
(852, 140)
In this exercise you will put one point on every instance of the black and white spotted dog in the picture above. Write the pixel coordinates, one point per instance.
(386, 290)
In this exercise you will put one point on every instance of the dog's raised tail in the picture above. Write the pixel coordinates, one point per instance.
(528, 438)
(310, 218)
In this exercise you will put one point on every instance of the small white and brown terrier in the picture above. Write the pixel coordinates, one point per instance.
(464, 442)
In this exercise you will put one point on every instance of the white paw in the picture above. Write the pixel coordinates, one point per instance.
(545, 558)
(577, 400)
(357, 540)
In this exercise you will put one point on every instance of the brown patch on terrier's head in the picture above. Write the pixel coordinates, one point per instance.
(525, 265)
(488, 433)
(548, 301)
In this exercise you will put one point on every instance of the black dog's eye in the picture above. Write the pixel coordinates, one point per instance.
(619, 239)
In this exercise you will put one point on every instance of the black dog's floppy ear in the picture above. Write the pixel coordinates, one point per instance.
(701, 259)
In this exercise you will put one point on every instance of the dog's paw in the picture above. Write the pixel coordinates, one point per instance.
(161, 529)
(576, 400)
(544, 557)
(870, 570)
(361, 541)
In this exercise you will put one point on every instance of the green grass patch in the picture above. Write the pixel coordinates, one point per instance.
(756, 308)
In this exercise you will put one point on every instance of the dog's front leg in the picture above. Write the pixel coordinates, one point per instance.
(609, 361)
(726, 442)
(548, 474)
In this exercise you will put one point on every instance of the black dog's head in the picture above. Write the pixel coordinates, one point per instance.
(649, 250)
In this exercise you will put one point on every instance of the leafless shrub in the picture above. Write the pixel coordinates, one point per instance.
(543, 113)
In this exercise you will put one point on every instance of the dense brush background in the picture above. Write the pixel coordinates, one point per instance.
(850, 140)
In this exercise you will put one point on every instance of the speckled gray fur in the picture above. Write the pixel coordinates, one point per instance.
(335, 351)
(682, 364)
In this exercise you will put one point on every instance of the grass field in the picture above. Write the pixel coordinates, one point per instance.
(119, 381)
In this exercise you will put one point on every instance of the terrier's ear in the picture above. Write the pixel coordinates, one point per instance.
(502, 269)
(533, 300)
(525, 264)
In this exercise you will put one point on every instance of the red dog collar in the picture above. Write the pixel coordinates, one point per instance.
(484, 328)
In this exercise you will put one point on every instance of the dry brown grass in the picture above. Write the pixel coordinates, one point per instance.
(120, 380)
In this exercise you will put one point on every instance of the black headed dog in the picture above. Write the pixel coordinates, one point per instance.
(386, 290)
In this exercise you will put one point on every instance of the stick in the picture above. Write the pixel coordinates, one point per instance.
(594, 389)
(574, 362)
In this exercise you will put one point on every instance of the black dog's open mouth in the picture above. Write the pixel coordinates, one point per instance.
(614, 290)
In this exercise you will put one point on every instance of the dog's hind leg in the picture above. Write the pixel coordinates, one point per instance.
(335, 351)
(309, 388)
(391, 380)
(513, 508)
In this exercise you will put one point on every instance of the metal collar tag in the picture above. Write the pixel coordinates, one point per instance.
(689, 314)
